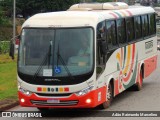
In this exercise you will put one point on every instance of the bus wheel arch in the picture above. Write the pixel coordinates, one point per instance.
(142, 68)
(109, 95)
(139, 84)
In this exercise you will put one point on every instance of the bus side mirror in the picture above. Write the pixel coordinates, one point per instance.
(11, 52)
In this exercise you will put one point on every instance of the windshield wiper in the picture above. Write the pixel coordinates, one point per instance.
(49, 53)
(47, 56)
(63, 63)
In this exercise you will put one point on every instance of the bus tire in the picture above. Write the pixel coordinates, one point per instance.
(139, 84)
(109, 97)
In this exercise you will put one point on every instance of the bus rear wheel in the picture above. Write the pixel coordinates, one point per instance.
(140, 83)
(109, 97)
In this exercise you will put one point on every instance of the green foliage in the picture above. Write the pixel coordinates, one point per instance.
(4, 21)
(156, 5)
(96, 1)
(4, 47)
(31, 7)
(104, 0)
(7, 6)
(1, 15)
(5, 33)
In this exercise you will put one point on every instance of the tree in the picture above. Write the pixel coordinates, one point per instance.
(104, 0)
(96, 0)
(30, 7)
(7, 7)
(1, 15)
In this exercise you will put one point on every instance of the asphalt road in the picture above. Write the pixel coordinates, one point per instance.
(148, 99)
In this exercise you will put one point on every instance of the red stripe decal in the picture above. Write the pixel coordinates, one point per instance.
(137, 79)
(130, 14)
(116, 86)
(113, 15)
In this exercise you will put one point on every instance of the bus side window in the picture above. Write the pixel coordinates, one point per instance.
(101, 30)
(152, 27)
(138, 27)
(130, 29)
(121, 31)
(100, 58)
(100, 36)
(111, 34)
(145, 26)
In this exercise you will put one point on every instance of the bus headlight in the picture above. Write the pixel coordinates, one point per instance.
(84, 91)
(24, 91)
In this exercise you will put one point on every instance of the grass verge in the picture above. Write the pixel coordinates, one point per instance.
(8, 80)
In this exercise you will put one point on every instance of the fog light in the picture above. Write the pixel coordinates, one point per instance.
(22, 100)
(88, 101)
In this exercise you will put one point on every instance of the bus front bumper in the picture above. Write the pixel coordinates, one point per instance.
(90, 100)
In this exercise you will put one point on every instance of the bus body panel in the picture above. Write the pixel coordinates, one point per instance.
(61, 89)
(123, 66)
(96, 97)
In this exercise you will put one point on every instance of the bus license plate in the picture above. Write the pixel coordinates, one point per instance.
(53, 101)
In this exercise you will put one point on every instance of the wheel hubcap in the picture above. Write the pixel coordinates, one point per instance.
(109, 94)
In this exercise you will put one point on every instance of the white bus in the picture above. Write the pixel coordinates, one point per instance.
(85, 56)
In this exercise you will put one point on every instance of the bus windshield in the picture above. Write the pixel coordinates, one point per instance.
(56, 52)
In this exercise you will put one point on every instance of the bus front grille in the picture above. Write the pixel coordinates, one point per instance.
(54, 95)
(60, 103)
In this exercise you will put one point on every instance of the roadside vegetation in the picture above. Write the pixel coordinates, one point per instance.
(24, 9)
(4, 47)
(8, 80)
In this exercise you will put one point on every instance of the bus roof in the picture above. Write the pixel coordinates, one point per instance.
(82, 18)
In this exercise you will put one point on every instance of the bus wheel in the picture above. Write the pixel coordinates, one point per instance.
(109, 97)
(140, 83)
(42, 109)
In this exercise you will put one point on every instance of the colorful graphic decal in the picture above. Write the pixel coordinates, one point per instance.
(48, 89)
(127, 67)
(120, 14)
(113, 15)
(127, 74)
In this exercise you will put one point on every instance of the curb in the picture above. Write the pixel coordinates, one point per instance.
(9, 106)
